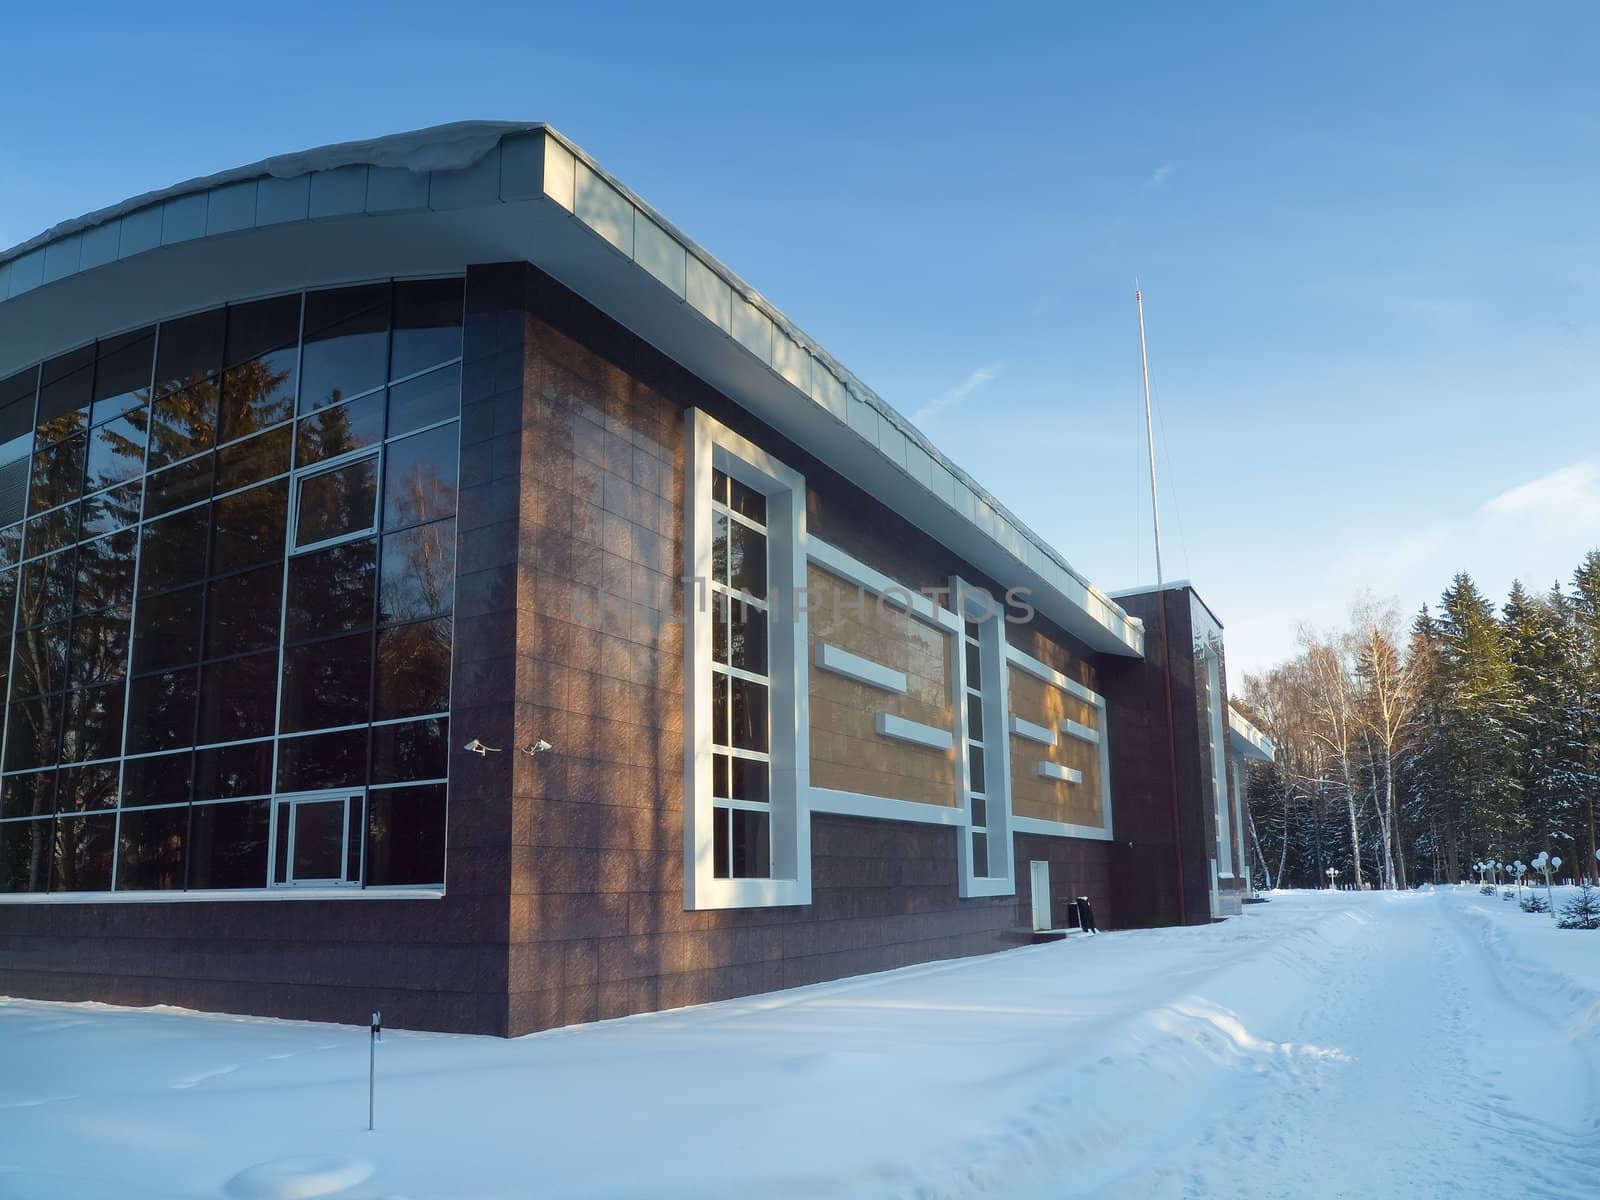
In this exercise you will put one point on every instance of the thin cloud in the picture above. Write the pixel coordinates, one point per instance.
(978, 378)
(1160, 175)
(1535, 531)
(1571, 490)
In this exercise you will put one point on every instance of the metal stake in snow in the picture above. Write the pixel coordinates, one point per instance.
(372, 1066)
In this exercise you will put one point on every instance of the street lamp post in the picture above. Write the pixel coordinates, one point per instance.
(1333, 873)
(1545, 863)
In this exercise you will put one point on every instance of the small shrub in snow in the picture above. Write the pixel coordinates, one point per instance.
(1582, 911)
(1486, 890)
(1508, 894)
(1535, 903)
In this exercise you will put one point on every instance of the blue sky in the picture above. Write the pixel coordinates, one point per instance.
(1367, 236)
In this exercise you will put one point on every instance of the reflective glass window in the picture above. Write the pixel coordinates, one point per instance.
(110, 510)
(89, 787)
(47, 588)
(330, 591)
(427, 324)
(57, 473)
(330, 432)
(337, 502)
(346, 348)
(413, 675)
(253, 460)
(32, 794)
(419, 568)
(322, 760)
(39, 660)
(242, 612)
(84, 849)
(172, 551)
(97, 649)
(25, 850)
(93, 723)
(122, 374)
(405, 835)
(66, 386)
(150, 851)
(327, 683)
(190, 349)
(227, 545)
(410, 751)
(115, 452)
(263, 355)
(183, 423)
(223, 772)
(161, 711)
(248, 528)
(158, 779)
(228, 844)
(105, 573)
(419, 478)
(178, 486)
(167, 629)
(238, 698)
(53, 530)
(425, 400)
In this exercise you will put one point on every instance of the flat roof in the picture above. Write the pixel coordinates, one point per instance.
(439, 199)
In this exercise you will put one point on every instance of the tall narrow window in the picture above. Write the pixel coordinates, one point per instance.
(746, 770)
(985, 852)
(740, 685)
(977, 786)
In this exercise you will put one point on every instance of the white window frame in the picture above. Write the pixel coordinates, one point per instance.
(1000, 880)
(918, 605)
(1048, 674)
(285, 807)
(1216, 738)
(299, 477)
(715, 447)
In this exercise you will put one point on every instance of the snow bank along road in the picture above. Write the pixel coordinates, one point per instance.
(1323, 1045)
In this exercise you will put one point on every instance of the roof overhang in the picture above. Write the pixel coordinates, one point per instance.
(1245, 740)
(440, 200)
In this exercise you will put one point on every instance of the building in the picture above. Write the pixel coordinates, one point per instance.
(1174, 701)
(1246, 745)
(436, 584)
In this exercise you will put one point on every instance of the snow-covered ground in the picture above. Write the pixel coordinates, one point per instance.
(1322, 1045)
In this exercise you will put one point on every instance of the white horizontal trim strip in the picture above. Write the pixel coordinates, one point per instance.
(1053, 677)
(1079, 730)
(985, 885)
(1034, 733)
(918, 734)
(884, 808)
(862, 670)
(223, 895)
(1044, 828)
(1059, 773)
(853, 570)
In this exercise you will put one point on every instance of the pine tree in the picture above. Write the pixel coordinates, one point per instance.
(1582, 911)
(1481, 710)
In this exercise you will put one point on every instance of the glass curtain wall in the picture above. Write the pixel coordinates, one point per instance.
(227, 562)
